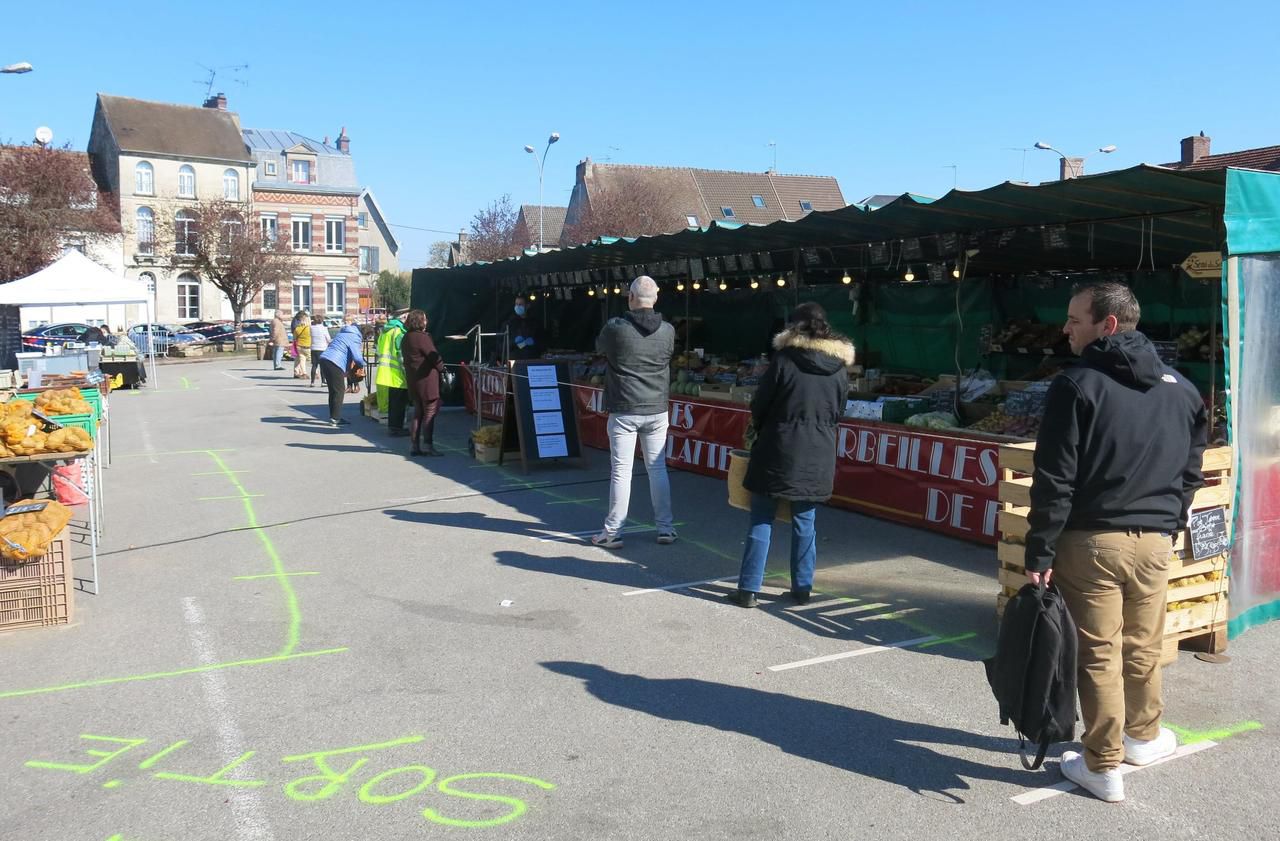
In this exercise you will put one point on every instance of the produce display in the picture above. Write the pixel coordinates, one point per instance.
(1028, 336)
(1216, 575)
(1001, 422)
(64, 401)
(488, 436)
(21, 434)
(933, 420)
(26, 536)
(1193, 345)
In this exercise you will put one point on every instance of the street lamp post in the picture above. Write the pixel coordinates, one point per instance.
(555, 135)
(1076, 165)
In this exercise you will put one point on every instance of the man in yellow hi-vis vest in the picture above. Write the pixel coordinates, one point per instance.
(393, 390)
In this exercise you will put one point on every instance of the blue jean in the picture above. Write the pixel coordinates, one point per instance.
(651, 430)
(804, 547)
(277, 355)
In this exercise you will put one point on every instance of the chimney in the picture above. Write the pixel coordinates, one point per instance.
(344, 142)
(218, 101)
(462, 238)
(1194, 148)
(1070, 168)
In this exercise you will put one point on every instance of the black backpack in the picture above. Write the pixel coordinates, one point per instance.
(1033, 673)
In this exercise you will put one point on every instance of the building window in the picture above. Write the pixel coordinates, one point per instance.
(144, 179)
(727, 211)
(301, 173)
(270, 228)
(270, 167)
(186, 182)
(758, 201)
(806, 206)
(150, 280)
(188, 297)
(270, 298)
(363, 219)
(302, 294)
(185, 231)
(335, 296)
(335, 234)
(146, 229)
(301, 234)
(369, 259)
(692, 220)
(231, 185)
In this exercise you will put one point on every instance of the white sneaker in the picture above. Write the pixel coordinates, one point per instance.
(1144, 753)
(1104, 785)
(607, 541)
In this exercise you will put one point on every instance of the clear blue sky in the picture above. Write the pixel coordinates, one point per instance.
(439, 98)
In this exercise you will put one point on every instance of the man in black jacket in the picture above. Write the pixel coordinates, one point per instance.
(1117, 462)
(523, 336)
(638, 346)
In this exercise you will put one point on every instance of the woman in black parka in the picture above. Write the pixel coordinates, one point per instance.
(797, 406)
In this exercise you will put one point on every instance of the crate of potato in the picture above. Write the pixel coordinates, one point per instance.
(39, 592)
(1196, 607)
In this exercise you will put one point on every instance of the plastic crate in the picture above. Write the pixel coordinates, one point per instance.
(899, 409)
(56, 563)
(85, 422)
(92, 396)
(38, 593)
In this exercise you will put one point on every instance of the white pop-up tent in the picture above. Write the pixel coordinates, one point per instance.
(75, 280)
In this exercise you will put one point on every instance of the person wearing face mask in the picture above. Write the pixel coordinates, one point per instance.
(1117, 462)
(523, 336)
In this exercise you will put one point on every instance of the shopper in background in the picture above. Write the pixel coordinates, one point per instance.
(423, 368)
(1117, 462)
(795, 412)
(279, 338)
(638, 346)
(390, 380)
(302, 344)
(523, 336)
(319, 341)
(342, 354)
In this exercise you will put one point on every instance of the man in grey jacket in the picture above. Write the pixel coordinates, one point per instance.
(638, 346)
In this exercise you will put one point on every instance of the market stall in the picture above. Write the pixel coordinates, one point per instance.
(75, 280)
(955, 307)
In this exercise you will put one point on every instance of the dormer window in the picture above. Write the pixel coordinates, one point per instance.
(270, 168)
(300, 173)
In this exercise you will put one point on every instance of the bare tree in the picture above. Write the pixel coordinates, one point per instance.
(628, 205)
(439, 255)
(221, 241)
(47, 196)
(493, 232)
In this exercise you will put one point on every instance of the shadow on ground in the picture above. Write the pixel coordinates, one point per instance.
(853, 740)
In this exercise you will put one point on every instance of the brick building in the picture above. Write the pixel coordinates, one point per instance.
(1196, 155)
(306, 191)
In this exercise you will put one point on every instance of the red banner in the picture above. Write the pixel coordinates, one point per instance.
(927, 480)
(939, 482)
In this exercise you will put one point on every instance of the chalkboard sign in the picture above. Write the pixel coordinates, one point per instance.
(543, 416)
(1209, 537)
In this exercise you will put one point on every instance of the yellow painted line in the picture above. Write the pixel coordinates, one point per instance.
(232, 496)
(270, 575)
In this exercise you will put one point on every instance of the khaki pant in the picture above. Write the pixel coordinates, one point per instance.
(1114, 585)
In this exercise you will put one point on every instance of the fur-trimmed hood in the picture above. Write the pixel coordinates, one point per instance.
(822, 355)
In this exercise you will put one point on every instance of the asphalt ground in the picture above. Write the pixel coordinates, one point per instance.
(304, 634)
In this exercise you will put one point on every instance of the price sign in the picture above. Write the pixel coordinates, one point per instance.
(1209, 533)
(24, 509)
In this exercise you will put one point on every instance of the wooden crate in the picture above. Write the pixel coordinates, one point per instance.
(1196, 612)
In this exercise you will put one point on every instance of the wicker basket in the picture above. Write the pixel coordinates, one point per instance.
(739, 496)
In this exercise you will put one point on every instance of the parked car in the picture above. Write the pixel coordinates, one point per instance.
(164, 335)
(53, 335)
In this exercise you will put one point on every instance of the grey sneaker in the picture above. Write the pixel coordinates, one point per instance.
(1106, 785)
(607, 541)
(666, 538)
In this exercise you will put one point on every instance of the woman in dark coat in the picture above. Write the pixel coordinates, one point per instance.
(796, 409)
(423, 367)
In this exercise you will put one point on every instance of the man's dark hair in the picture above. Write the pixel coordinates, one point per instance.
(810, 319)
(1111, 298)
(523, 296)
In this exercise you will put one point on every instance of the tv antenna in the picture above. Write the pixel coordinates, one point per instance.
(213, 72)
(1022, 176)
(612, 149)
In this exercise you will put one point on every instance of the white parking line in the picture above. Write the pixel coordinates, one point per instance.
(857, 652)
(679, 586)
(1036, 795)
